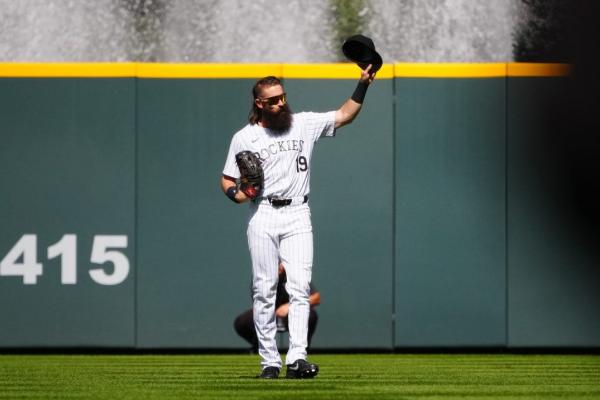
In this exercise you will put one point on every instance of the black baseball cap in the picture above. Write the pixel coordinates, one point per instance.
(361, 50)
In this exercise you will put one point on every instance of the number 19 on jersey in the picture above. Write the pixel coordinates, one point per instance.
(301, 164)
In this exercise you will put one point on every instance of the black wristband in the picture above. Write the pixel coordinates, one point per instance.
(360, 92)
(231, 192)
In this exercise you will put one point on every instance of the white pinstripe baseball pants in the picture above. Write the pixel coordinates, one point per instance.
(274, 234)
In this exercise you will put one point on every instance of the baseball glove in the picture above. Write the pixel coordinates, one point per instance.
(252, 178)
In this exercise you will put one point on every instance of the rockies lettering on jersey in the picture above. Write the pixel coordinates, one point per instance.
(280, 153)
(280, 146)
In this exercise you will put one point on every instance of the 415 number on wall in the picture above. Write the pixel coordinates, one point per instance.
(22, 259)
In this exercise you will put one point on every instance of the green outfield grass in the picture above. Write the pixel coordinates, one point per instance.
(360, 376)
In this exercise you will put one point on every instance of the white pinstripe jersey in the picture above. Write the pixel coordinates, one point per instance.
(285, 157)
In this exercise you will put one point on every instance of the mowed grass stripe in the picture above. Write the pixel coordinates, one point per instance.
(362, 376)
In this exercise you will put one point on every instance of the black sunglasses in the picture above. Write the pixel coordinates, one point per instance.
(274, 100)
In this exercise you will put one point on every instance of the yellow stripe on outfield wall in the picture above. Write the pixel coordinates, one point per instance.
(308, 71)
(68, 70)
(449, 70)
(532, 69)
(332, 71)
(479, 70)
(160, 70)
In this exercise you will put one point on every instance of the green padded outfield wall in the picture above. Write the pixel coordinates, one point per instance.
(67, 159)
(553, 236)
(450, 214)
(428, 231)
(194, 271)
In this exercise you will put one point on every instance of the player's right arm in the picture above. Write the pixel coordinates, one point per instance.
(231, 172)
(227, 183)
(350, 109)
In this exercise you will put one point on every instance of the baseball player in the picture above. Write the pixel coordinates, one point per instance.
(269, 164)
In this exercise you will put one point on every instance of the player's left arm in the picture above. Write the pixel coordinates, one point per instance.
(283, 310)
(350, 109)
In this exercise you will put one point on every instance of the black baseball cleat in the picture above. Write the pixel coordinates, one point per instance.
(269, 373)
(301, 369)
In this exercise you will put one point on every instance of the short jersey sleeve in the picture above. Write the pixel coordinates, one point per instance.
(319, 125)
(231, 169)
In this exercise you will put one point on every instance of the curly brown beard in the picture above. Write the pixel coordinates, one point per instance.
(280, 121)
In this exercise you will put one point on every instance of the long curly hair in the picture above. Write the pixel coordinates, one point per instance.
(255, 113)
